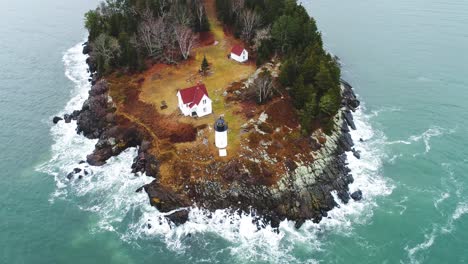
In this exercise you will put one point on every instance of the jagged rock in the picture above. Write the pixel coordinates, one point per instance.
(164, 199)
(357, 195)
(299, 223)
(349, 178)
(349, 119)
(357, 154)
(86, 48)
(92, 65)
(76, 170)
(81, 162)
(56, 119)
(344, 196)
(179, 217)
(140, 189)
(70, 175)
(75, 114)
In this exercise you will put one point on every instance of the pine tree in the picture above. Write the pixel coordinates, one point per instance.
(205, 65)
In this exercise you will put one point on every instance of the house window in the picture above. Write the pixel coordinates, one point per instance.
(204, 109)
(204, 101)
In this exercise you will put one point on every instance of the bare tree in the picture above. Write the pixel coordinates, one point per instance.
(263, 86)
(151, 33)
(186, 40)
(181, 14)
(200, 11)
(106, 47)
(261, 35)
(237, 6)
(250, 20)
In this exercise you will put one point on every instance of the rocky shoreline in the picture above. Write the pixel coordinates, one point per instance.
(304, 193)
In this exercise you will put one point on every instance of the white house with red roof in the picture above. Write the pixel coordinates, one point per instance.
(239, 54)
(194, 101)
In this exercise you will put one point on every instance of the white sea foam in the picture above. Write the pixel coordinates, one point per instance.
(415, 254)
(444, 196)
(424, 137)
(427, 243)
(376, 113)
(109, 192)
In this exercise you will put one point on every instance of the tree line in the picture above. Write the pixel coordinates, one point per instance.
(283, 28)
(125, 33)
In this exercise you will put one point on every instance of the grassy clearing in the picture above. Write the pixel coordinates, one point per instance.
(162, 82)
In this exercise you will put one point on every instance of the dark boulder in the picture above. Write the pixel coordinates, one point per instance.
(67, 118)
(75, 114)
(357, 154)
(76, 170)
(70, 175)
(345, 128)
(164, 199)
(179, 217)
(86, 48)
(349, 119)
(344, 196)
(56, 119)
(357, 195)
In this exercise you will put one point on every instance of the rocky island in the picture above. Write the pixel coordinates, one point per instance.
(263, 69)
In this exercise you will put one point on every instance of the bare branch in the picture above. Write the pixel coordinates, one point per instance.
(186, 40)
(263, 86)
(237, 6)
(250, 20)
(260, 36)
(106, 46)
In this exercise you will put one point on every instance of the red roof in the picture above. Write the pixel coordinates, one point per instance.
(193, 95)
(237, 50)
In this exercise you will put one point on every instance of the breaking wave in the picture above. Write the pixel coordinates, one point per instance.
(109, 192)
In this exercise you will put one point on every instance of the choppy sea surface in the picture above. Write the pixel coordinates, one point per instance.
(406, 60)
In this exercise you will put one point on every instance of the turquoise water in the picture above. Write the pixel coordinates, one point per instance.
(407, 61)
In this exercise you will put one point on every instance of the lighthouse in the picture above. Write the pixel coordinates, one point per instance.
(221, 139)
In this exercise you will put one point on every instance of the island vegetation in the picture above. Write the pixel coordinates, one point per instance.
(282, 106)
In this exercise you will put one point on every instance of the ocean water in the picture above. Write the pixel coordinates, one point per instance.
(406, 60)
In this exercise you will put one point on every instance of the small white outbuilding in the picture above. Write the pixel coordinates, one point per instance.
(239, 54)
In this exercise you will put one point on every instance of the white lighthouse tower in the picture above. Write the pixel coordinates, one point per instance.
(221, 139)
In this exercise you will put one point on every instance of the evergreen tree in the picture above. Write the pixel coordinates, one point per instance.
(205, 66)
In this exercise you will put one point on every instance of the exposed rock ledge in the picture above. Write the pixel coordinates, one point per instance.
(304, 193)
